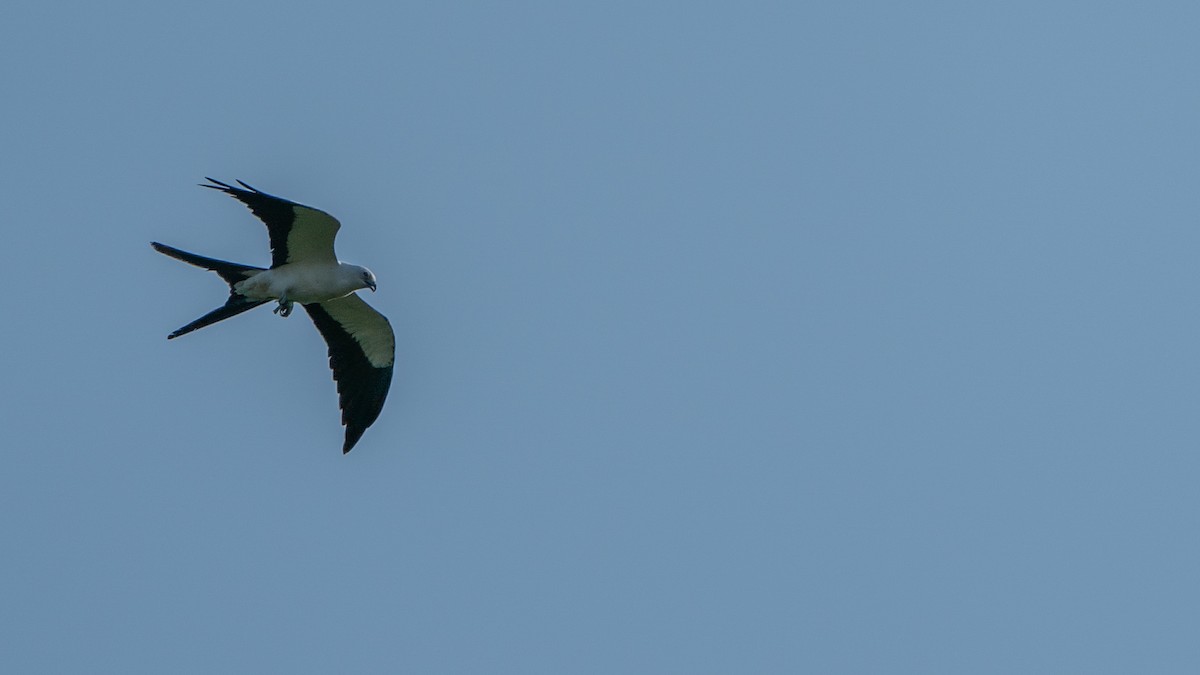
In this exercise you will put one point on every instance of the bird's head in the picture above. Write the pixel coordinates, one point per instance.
(353, 277)
(368, 279)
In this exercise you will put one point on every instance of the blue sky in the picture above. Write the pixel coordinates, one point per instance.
(766, 337)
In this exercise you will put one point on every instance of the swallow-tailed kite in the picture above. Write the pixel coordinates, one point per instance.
(304, 269)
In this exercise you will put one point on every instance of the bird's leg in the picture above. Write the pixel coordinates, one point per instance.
(284, 308)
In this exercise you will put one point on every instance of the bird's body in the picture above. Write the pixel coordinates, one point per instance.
(305, 270)
(303, 283)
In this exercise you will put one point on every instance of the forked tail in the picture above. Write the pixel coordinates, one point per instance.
(232, 273)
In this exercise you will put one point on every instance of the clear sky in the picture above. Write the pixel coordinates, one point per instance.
(841, 337)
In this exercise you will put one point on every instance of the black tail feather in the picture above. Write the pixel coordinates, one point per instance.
(232, 307)
(232, 273)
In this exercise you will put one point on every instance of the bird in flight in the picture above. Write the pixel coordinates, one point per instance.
(304, 269)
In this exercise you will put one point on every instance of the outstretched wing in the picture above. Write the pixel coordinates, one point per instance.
(362, 349)
(298, 233)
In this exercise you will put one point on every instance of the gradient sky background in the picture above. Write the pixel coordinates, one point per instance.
(835, 337)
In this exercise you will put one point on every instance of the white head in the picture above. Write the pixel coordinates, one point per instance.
(363, 277)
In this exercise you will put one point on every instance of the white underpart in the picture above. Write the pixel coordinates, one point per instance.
(303, 282)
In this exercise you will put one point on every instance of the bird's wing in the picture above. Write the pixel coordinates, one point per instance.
(362, 348)
(298, 233)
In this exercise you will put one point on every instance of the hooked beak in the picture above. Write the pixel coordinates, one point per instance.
(371, 285)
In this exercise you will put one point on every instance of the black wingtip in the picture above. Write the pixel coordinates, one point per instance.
(226, 187)
(352, 436)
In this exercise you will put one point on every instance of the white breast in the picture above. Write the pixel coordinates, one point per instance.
(301, 282)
